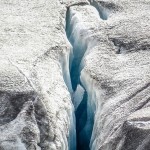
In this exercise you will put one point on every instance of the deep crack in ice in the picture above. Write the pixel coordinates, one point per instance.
(80, 95)
(81, 98)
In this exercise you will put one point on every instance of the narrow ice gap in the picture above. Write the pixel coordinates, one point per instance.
(81, 98)
(80, 84)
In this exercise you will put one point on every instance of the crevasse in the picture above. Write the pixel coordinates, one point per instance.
(80, 97)
(80, 85)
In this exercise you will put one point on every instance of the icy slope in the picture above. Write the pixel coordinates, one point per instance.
(32, 44)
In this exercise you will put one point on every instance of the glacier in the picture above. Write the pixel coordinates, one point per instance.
(74, 74)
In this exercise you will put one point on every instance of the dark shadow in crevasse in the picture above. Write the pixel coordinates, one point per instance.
(81, 119)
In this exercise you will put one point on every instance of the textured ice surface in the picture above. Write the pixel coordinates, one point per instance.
(32, 42)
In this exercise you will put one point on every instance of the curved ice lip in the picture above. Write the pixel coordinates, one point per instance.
(103, 12)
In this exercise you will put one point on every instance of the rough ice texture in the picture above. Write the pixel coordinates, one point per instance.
(36, 110)
(32, 43)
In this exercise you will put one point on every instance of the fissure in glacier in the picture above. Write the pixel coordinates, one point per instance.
(83, 96)
(79, 96)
